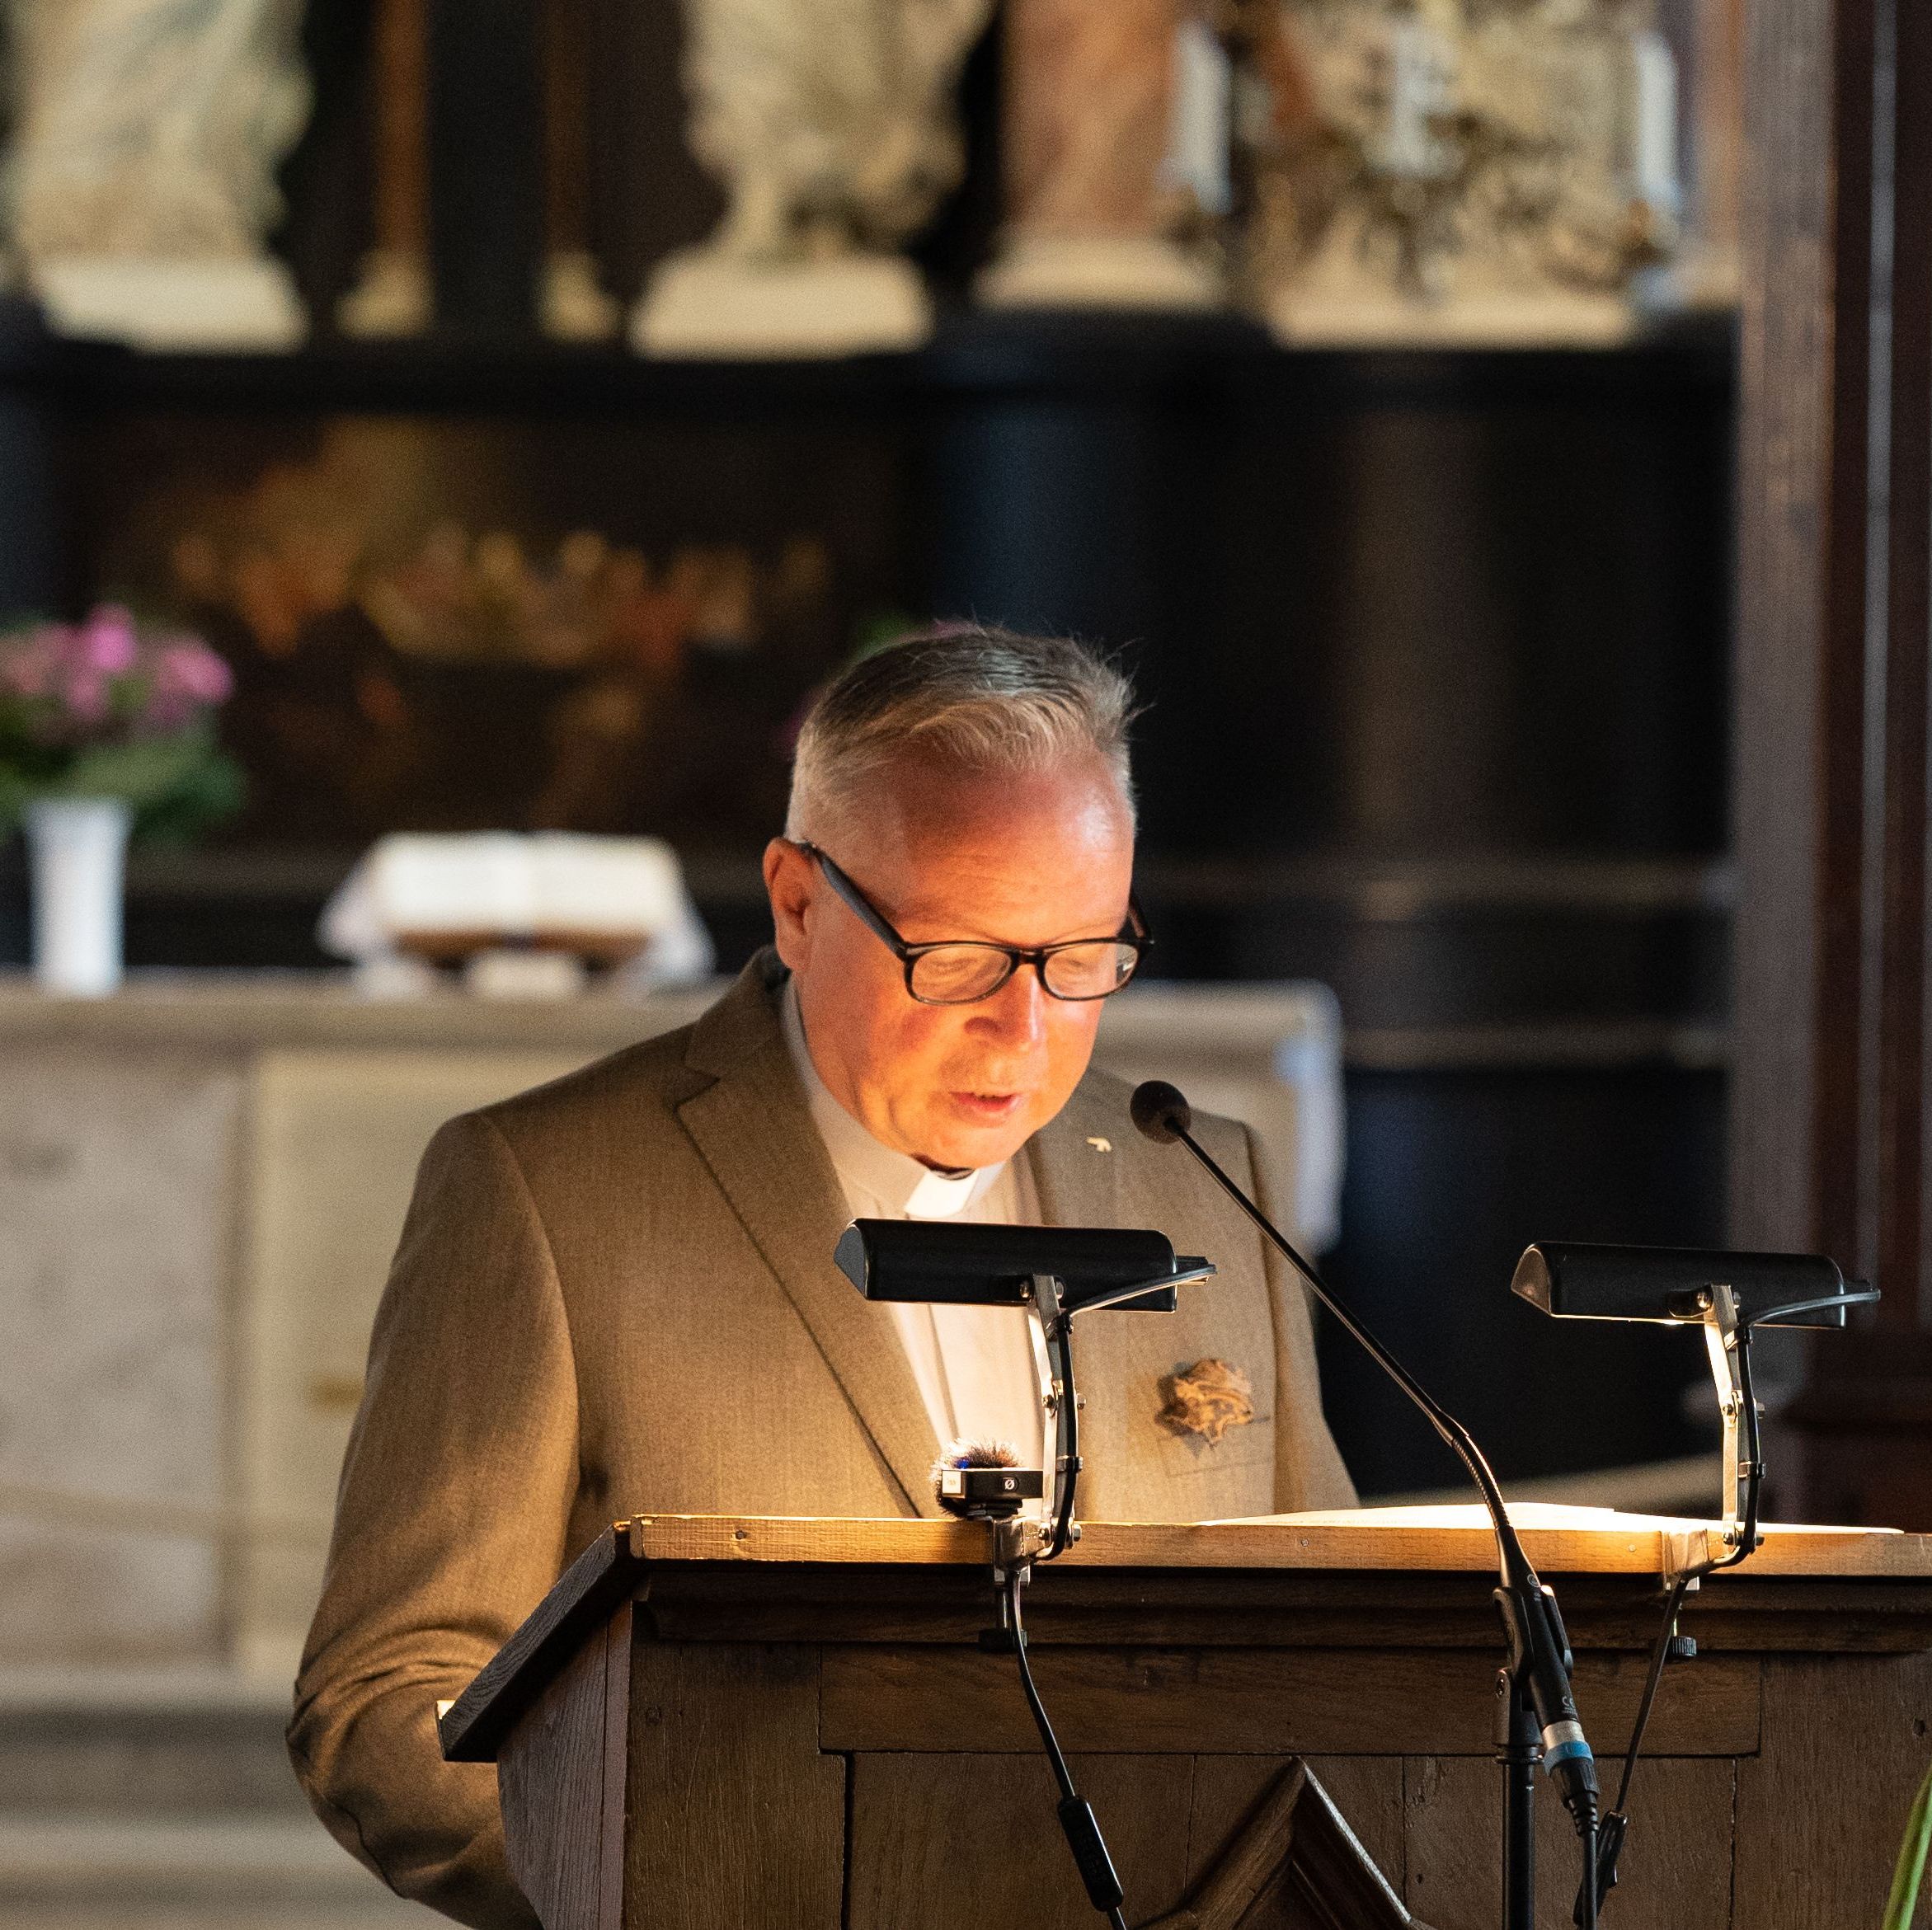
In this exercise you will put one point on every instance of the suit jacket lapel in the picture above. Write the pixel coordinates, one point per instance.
(752, 1129)
(1083, 1168)
(1075, 1171)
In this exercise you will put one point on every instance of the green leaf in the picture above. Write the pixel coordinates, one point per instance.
(217, 791)
(15, 795)
(144, 773)
(1912, 1861)
(177, 785)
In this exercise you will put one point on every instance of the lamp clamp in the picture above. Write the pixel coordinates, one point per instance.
(1726, 1342)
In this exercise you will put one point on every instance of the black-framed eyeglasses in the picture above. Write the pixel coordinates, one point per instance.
(961, 971)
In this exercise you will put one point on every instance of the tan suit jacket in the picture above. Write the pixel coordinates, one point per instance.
(614, 1295)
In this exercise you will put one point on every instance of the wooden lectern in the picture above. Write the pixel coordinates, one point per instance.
(716, 1723)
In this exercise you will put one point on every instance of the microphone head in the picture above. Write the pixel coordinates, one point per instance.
(1161, 1111)
(983, 1481)
(975, 1454)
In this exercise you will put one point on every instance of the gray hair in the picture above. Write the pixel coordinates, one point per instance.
(978, 698)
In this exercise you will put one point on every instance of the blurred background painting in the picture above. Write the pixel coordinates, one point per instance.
(428, 628)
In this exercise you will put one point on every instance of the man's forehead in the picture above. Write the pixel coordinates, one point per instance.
(982, 852)
(933, 805)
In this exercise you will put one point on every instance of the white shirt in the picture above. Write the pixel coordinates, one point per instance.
(981, 1371)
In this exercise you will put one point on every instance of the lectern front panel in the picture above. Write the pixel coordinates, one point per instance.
(722, 1724)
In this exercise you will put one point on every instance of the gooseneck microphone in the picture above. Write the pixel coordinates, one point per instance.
(1539, 1660)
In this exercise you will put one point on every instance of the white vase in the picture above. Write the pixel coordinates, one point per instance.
(79, 846)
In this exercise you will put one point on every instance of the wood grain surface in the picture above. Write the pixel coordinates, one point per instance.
(1255, 1701)
(561, 1777)
(1675, 1873)
(1822, 1810)
(1639, 1548)
(1366, 1789)
(971, 1842)
(859, 1784)
(1254, 1861)
(585, 1596)
(919, 1821)
(1221, 1607)
(736, 1819)
(739, 1579)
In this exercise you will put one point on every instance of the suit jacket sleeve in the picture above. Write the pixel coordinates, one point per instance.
(450, 1526)
(1308, 1468)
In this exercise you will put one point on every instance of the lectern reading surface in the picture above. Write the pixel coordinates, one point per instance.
(716, 1722)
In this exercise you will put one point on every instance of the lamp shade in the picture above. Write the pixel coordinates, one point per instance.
(1575, 1281)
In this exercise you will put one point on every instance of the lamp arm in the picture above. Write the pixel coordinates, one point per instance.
(1056, 1327)
(1181, 1276)
(1774, 1314)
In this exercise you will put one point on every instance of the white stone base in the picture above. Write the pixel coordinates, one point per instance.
(155, 303)
(571, 303)
(1700, 279)
(392, 297)
(703, 305)
(1097, 271)
(1496, 318)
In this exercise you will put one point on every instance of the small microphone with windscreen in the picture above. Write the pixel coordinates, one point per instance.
(1161, 1111)
(983, 1481)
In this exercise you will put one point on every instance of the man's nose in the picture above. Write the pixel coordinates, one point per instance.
(1015, 1014)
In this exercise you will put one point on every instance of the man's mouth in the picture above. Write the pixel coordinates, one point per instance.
(987, 1108)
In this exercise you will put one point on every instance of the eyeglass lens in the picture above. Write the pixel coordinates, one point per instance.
(957, 975)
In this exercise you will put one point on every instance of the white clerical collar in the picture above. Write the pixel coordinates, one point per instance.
(896, 1180)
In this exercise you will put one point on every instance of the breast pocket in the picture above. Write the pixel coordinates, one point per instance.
(1207, 1480)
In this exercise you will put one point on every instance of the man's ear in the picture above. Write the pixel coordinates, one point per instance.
(787, 884)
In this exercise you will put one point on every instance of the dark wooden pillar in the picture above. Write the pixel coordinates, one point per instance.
(1829, 1142)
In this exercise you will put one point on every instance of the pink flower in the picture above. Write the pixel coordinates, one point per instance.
(195, 670)
(185, 676)
(101, 681)
(107, 641)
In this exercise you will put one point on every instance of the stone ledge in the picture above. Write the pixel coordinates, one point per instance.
(111, 1856)
(193, 1690)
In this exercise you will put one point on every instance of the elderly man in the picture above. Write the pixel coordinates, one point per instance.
(616, 1294)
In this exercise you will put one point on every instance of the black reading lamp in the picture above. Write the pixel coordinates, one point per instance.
(1729, 1295)
(1061, 1272)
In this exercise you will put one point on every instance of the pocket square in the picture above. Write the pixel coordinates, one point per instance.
(1207, 1399)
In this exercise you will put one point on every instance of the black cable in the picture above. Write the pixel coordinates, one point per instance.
(1061, 1774)
(1058, 1337)
(1659, 1654)
(1617, 1822)
(1754, 1463)
(1861, 1298)
(1077, 1820)
(1587, 1895)
(1056, 1330)
(1454, 1435)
